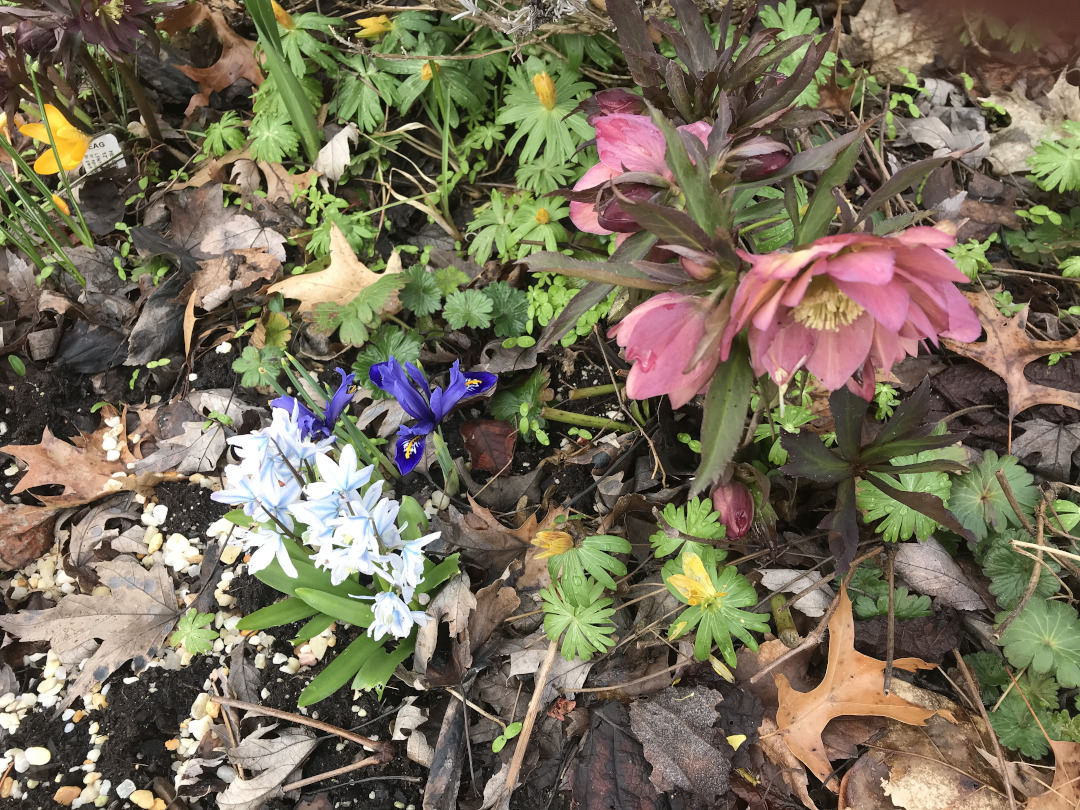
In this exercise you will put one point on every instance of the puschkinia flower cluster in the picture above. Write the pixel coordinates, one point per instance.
(288, 481)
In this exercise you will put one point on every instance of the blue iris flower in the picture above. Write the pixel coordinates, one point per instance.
(428, 407)
(314, 426)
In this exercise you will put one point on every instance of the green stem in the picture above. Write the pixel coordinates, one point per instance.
(596, 391)
(785, 623)
(584, 420)
(101, 84)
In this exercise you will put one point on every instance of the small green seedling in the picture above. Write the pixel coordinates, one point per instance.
(508, 734)
(193, 634)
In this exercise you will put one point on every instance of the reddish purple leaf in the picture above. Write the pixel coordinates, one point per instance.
(490, 443)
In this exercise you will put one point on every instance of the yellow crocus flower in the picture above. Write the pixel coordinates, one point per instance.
(71, 143)
(61, 205)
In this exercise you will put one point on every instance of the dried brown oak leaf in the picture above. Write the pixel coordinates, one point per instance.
(237, 59)
(81, 466)
(852, 686)
(340, 282)
(1008, 350)
(1064, 794)
(683, 741)
(131, 622)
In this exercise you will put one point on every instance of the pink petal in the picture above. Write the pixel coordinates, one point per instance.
(865, 266)
(888, 303)
(699, 129)
(631, 143)
(964, 324)
(925, 235)
(931, 264)
(837, 355)
(782, 351)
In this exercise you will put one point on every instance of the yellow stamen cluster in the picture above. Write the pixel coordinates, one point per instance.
(113, 9)
(824, 308)
(552, 543)
(545, 90)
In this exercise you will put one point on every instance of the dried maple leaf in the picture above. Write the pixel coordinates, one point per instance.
(81, 466)
(219, 278)
(1064, 794)
(1007, 350)
(852, 686)
(340, 282)
(132, 621)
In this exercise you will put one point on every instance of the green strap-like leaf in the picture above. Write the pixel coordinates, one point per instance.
(725, 416)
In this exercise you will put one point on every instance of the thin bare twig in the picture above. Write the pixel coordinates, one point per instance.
(813, 638)
(530, 716)
(976, 698)
(311, 780)
(1036, 569)
(827, 579)
(255, 708)
(890, 628)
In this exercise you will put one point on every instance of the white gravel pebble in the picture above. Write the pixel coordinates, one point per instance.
(125, 788)
(38, 755)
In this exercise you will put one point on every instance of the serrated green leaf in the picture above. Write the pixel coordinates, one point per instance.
(421, 294)
(1010, 571)
(1017, 728)
(695, 519)
(898, 521)
(1046, 637)
(980, 504)
(510, 309)
(467, 308)
(585, 626)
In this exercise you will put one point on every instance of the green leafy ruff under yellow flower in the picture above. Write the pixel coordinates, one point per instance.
(71, 144)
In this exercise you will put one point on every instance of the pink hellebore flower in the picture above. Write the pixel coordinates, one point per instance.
(850, 302)
(626, 143)
(663, 337)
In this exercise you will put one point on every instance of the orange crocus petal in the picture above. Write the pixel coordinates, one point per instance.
(61, 205)
(35, 131)
(46, 164)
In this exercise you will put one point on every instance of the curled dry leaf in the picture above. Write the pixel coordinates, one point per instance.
(26, 532)
(609, 774)
(490, 443)
(928, 568)
(1064, 794)
(931, 767)
(852, 686)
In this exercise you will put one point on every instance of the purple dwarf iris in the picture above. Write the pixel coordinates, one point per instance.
(428, 407)
(313, 426)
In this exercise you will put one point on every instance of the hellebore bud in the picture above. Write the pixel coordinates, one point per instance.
(613, 216)
(759, 157)
(615, 100)
(736, 507)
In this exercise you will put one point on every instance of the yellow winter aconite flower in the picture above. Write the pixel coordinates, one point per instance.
(426, 73)
(552, 543)
(375, 26)
(542, 216)
(61, 205)
(71, 144)
(283, 17)
(545, 90)
(694, 583)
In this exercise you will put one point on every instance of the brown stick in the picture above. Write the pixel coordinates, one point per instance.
(255, 708)
(890, 633)
(530, 716)
(311, 780)
(977, 700)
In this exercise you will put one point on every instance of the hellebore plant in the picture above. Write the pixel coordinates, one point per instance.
(428, 407)
(320, 529)
(850, 303)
